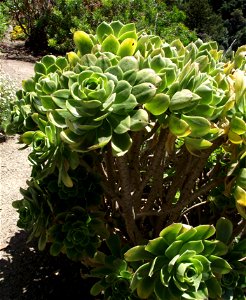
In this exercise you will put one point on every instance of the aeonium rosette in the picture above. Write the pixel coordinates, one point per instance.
(180, 264)
(76, 234)
(103, 107)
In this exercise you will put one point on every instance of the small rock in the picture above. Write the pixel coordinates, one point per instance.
(2, 138)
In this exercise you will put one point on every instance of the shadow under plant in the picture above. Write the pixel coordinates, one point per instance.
(26, 273)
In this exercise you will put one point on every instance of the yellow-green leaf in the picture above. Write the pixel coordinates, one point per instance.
(238, 125)
(234, 137)
(83, 42)
(110, 44)
(158, 105)
(127, 47)
(199, 126)
(179, 127)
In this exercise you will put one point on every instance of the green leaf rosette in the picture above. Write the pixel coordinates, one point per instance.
(75, 234)
(182, 263)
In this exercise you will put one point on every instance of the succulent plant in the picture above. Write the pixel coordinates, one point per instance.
(34, 212)
(233, 283)
(182, 263)
(75, 234)
(113, 272)
(54, 213)
(121, 81)
(163, 127)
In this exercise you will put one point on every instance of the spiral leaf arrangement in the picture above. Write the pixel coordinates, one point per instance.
(180, 264)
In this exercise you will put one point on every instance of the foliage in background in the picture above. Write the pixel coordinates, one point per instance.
(8, 89)
(201, 18)
(129, 134)
(31, 16)
(233, 14)
(4, 19)
(55, 21)
(50, 24)
(223, 20)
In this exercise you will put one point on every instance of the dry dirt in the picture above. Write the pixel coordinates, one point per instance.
(26, 273)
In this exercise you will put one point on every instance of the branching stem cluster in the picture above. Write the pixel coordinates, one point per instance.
(156, 181)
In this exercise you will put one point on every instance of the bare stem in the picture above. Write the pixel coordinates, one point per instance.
(126, 200)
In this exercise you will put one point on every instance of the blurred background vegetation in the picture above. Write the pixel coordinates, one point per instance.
(48, 25)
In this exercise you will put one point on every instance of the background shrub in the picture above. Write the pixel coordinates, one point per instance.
(50, 24)
(4, 19)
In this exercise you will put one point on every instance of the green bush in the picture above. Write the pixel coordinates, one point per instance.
(8, 89)
(130, 135)
(4, 19)
(50, 25)
(32, 18)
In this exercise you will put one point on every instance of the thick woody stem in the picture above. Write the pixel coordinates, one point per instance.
(133, 158)
(185, 181)
(126, 200)
(155, 165)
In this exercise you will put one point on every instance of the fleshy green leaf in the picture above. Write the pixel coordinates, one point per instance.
(40, 68)
(137, 253)
(55, 249)
(127, 47)
(192, 245)
(42, 241)
(187, 235)
(103, 136)
(158, 105)
(203, 232)
(224, 230)
(173, 249)
(219, 265)
(116, 26)
(199, 126)
(103, 30)
(144, 92)
(145, 287)
(83, 42)
(110, 44)
(158, 263)
(171, 232)
(96, 289)
(121, 143)
(119, 123)
(156, 246)
(139, 120)
(140, 273)
(183, 99)
(214, 288)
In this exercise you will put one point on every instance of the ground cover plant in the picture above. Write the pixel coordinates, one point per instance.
(8, 89)
(138, 154)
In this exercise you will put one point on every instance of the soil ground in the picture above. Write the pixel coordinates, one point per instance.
(25, 272)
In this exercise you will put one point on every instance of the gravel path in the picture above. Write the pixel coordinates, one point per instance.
(15, 168)
(18, 70)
